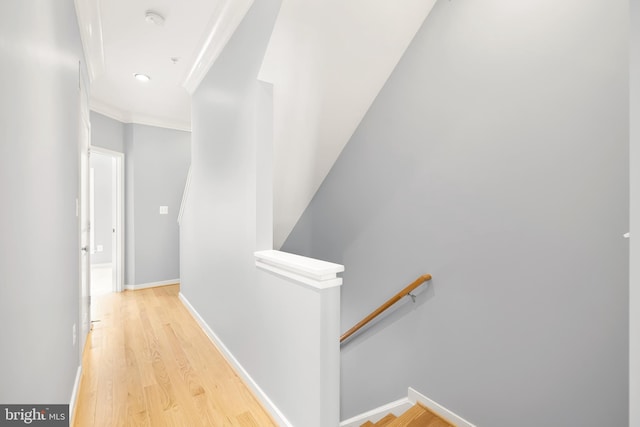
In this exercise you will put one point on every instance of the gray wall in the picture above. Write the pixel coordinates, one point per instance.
(156, 165)
(39, 119)
(495, 158)
(129, 203)
(103, 207)
(219, 228)
(107, 132)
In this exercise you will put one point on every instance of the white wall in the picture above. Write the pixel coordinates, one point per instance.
(226, 219)
(39, 180)
(218, 232)
(283, 335)
(297, 339)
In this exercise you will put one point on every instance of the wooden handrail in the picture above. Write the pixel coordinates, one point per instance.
(397, 297)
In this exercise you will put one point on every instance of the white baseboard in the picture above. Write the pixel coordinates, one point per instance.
(151, 285)
(400, 406)
(273, 410)
(375, 415)
(74, 393)
(454, 419)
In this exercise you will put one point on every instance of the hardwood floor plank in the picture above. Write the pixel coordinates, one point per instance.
(246, 420)
(85, 414)
(148, 363)
(142, 349)
(136, 401)
(104, 393)
(387, 419)
(155, 408)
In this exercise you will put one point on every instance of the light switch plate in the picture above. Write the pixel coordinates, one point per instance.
(164, 210)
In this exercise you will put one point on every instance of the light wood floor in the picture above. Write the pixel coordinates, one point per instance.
(148, 363)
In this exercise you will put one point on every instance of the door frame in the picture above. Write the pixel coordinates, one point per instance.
(83, 215)
(118, 206)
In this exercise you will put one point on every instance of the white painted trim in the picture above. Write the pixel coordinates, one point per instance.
(108, 110)
(161, 122)
(313, 272)
(436, 408)
(90, 25)
(74, 393)
(217, 35)
(152, 285)
(105, 151)
(82, 203)
(399, 406)
(325, 284)
(185, 195)
(278, 416)
(396, 408)
(102, 265)
(137, 118)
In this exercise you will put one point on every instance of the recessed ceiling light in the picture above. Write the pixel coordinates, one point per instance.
(142, 77)
(154, 18)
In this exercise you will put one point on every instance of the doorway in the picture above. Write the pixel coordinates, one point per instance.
(106, 198)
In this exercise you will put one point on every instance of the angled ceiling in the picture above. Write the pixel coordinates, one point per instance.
(327, 60)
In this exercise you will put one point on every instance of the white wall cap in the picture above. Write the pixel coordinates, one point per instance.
(310, 271)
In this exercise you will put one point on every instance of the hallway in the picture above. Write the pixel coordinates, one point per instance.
(148, 363)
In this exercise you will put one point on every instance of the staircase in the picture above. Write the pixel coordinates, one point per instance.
(416, 416)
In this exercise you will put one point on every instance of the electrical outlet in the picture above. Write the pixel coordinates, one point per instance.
(99, 248)
(164, 210)
(74, 334)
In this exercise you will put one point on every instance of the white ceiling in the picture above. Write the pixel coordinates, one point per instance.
(119, 42)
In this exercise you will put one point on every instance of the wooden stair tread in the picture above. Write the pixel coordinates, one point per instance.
(381, 422)
(386, 420)
(419, 416)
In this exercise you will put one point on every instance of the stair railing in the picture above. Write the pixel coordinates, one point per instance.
(397, 297)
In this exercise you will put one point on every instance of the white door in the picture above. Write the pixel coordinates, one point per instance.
(84, 219)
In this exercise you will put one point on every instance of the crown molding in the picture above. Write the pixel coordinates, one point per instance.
(161, 122)
(219, 31)
(90, 25)
(108, 110)
(137, 118)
